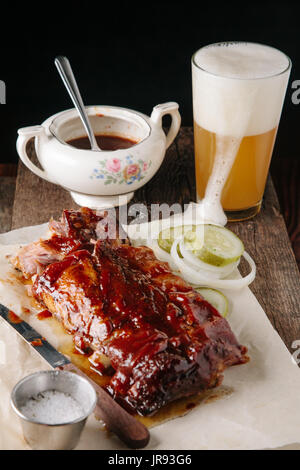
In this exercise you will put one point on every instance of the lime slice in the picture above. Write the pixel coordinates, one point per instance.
(215, 298)
(212, 244)
(218, 245)
(167, 236)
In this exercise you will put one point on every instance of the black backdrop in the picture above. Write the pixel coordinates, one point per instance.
(131, 54)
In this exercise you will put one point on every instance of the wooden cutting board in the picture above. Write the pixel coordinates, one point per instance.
(277, 285)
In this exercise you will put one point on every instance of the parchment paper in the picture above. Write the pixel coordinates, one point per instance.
(263, 410)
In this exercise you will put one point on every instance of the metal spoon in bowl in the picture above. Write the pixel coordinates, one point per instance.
(67, 76)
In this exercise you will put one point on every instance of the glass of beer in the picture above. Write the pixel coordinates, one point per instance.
(238, 94)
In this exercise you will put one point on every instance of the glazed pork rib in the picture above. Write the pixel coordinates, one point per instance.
(75, 230)
(162, 339)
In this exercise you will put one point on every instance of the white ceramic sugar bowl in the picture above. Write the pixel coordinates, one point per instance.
(100, 179)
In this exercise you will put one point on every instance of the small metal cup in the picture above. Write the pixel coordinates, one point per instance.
(41, 436)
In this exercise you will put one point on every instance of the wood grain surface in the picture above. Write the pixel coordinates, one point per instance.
(277, 285)
(7, 192)
(286, 176)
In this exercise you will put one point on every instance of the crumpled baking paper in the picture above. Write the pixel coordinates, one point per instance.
(263, 410)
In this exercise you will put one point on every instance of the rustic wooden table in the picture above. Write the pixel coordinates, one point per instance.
(277, 285)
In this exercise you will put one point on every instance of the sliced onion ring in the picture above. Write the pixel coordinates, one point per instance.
(217, 272)
(161, 254)
(203, 278)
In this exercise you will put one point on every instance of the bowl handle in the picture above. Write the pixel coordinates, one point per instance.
(25, 134)
(167, 108)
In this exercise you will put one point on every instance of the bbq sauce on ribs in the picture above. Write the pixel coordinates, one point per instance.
(160, 337)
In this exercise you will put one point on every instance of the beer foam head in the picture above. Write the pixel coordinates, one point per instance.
(239, 87)
(241, 60)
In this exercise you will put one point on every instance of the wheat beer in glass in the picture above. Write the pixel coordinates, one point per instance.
(238, 93)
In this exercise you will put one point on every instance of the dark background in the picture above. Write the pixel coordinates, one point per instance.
(131, 54)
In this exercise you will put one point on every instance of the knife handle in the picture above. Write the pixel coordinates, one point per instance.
(132, 432)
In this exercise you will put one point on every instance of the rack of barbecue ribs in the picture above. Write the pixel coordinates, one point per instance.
(126, 309)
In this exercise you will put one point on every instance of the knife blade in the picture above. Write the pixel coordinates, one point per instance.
(31, 336)
(132, 432)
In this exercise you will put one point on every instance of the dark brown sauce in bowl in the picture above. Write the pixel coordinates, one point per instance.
(104, 141)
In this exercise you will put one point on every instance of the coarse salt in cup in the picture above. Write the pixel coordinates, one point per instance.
(53, 407)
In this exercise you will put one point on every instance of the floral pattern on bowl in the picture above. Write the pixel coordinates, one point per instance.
(113, 170)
